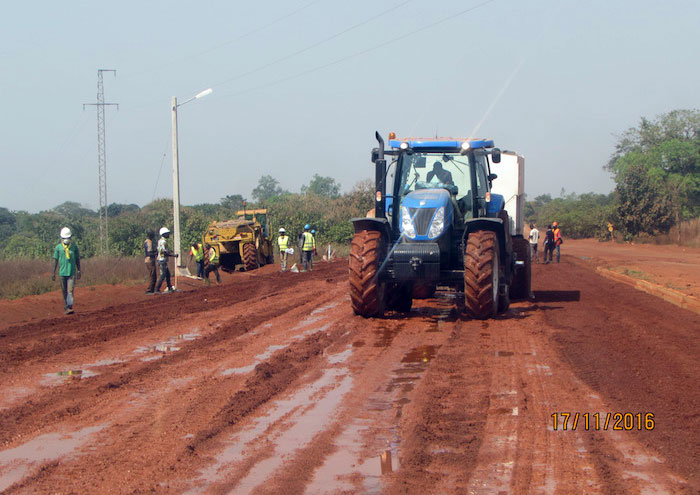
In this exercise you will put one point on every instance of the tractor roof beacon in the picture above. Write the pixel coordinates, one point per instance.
(442, 225)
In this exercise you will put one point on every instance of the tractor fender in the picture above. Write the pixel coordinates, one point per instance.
(487, 223)
(378, 224)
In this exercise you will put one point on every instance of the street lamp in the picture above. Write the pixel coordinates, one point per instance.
(176, 177)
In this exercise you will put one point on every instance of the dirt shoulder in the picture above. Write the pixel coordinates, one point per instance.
(674, 267)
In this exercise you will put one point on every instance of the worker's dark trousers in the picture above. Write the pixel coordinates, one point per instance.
(67, 284)
(200, 268)
(164, 275)
(308, 261)
(151, 275)
(548, 252)
(558, 248)
(215, 269)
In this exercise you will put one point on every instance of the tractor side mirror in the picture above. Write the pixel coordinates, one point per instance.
(420, 162)
(375, 155)
(496, 155)
(492, 177)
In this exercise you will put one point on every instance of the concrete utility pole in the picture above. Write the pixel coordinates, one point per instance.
(102, 158)
(179, 264)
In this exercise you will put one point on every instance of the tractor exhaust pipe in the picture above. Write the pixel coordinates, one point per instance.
(379, 177)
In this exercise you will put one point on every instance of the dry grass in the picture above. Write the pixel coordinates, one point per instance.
(19, 278)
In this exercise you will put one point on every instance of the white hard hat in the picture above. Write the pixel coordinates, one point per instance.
(65, 233)
(164, 230)
(282, 231)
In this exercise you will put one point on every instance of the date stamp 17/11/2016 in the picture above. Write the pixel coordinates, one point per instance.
(617, 421)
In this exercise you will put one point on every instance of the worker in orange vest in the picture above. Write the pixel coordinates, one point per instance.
(558, 241)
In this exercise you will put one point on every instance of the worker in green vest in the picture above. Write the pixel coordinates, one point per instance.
(211, 263)
(308, 248)
(283, 243)
(197, 252)
(67, 259)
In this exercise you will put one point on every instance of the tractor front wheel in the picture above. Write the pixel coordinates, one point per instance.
(366, 291)
(250, 257)
(481, 275)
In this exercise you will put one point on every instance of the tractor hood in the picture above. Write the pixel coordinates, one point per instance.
(426, 214)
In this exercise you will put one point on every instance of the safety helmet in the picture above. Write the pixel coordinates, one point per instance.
(282, 231)
(65, 233)
(555, 224)
(307, 226)
(313, 232)
(164, 230)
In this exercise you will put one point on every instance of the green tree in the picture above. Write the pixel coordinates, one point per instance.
(8, 224)
(268, 187)
(322, 186)
(661, 158)
(233, 202)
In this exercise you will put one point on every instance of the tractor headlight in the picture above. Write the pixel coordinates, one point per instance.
(407, 224)
(438, 223)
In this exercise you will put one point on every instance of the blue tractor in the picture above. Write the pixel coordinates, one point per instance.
(436, 222)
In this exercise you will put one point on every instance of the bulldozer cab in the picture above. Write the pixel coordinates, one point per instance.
(257, 215)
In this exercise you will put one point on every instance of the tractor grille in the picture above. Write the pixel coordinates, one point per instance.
(421, 219)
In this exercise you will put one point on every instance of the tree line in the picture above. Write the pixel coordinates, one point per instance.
(655, 166)
(26, 235)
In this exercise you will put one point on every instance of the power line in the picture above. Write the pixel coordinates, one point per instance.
(231, 41)
(313, 45)
(361, 52)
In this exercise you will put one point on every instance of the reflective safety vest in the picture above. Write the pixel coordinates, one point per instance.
(197, 252)
(213, 256)
(557, 236)
(309, 242)
(283, 242)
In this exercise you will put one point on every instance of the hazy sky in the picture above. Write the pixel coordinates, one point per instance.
(300, 86)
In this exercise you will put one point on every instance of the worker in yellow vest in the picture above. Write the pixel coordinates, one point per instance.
(197, 252)
(211, 263)
(308, 248)
(283, 243)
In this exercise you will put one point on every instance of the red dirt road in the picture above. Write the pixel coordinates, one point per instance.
(272, 385)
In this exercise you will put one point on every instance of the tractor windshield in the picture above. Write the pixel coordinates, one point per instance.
(441, 170)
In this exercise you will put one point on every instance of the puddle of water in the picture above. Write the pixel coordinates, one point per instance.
(16, 463)
(339, 471)
(301, 414)
(169, 345)
(64, 376)
(152, 358)
(103, 362)
(340, 357)
(324, 308)
(423, 354)
(266, 354)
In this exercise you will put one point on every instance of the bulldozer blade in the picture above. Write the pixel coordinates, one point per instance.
(183, 271)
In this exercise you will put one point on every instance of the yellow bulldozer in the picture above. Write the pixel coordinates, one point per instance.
(244, 241)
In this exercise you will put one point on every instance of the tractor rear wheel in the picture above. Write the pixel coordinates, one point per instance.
(481, 275)
(250, 257)
(366, 291)
(520, 286)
